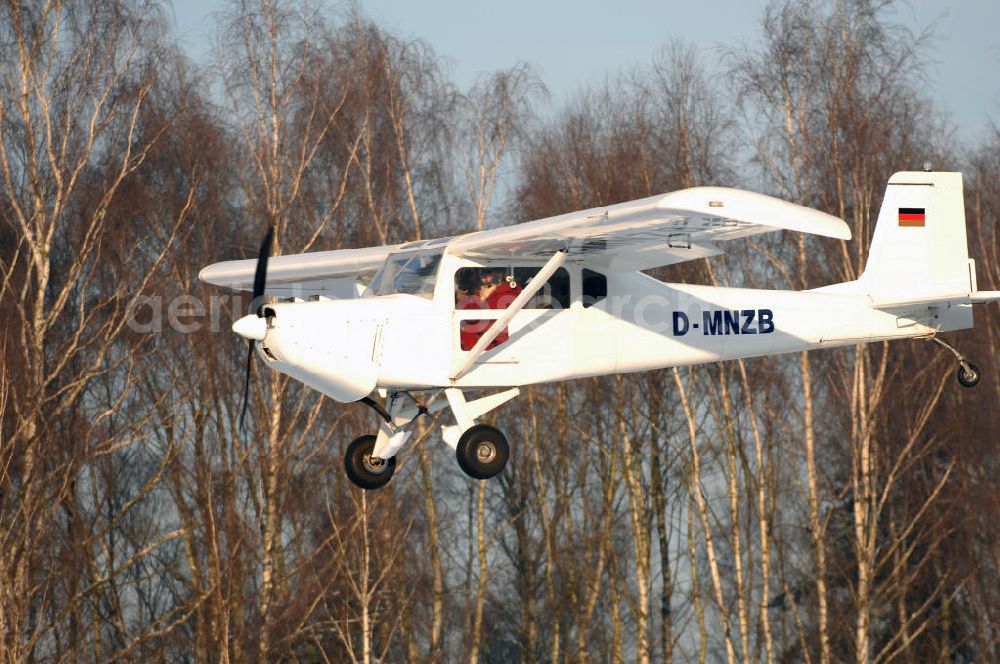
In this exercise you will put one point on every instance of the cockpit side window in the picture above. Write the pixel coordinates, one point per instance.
(495, 287)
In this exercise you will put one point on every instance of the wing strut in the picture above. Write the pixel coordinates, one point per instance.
(500, 323)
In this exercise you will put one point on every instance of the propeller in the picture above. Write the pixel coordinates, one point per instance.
(259, 284)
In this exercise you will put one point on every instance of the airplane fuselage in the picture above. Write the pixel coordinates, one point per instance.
(347, 348)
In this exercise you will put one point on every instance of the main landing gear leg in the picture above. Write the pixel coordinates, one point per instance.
(481, 450)
(370, 460)
(968, 373)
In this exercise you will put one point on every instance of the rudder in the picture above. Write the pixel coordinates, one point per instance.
(919, 249)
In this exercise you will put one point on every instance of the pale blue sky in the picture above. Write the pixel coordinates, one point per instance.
(574, 44)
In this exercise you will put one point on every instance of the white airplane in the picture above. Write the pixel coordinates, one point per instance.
(565, 297)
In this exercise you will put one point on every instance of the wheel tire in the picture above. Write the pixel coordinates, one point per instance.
(969, 378)
(482, 451)
(360, 470)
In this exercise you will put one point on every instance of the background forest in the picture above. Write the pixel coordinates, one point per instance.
(836, 506)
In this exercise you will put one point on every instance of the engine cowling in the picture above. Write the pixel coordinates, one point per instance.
(334, 347)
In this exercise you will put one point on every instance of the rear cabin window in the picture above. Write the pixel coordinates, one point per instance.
(595, 287)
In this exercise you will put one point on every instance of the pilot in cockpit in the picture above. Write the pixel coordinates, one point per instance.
(486, 288)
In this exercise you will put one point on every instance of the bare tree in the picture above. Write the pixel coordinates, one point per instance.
(74, 84)
(832, 110)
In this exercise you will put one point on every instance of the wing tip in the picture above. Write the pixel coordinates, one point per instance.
(207, 273)
(225, 274)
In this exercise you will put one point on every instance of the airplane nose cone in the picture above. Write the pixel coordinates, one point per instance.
(251, 327)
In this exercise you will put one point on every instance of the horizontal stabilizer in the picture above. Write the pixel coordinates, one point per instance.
(979, 297)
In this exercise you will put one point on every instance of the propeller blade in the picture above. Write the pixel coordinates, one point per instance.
(259, 285)
(260, 276)
(246, 386)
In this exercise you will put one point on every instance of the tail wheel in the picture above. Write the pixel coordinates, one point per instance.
(361, 469)
(482, 451)
(968, 374)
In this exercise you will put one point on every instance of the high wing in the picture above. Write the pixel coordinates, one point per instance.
(331, 273)
(637, 235)
(650, 232)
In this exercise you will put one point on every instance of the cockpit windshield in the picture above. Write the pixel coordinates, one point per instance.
(411, 270)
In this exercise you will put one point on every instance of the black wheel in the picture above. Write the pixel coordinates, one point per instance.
(482, 451)
(361, 470)
(968, 375)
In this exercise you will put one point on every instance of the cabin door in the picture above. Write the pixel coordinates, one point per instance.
(537, 343)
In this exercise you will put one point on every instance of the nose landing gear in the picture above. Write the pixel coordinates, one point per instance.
(370, 461)
(363, 469)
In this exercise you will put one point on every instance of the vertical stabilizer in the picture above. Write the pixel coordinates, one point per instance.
(919, 250)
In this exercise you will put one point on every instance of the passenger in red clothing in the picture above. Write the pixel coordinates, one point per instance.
(501, 296)
(504, 293)
(492, 292)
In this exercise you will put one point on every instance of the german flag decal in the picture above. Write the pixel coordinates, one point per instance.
(911, 217)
